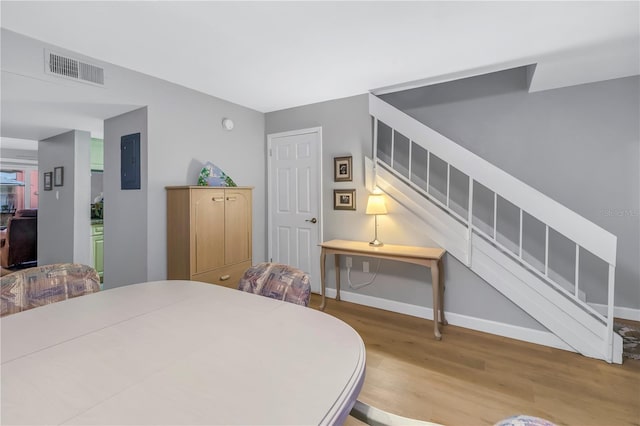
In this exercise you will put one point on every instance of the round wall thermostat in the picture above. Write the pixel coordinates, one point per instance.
(227, 123)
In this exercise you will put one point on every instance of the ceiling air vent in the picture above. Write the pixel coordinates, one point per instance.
(73, 69)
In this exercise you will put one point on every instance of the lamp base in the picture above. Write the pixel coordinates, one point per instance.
(376, 243)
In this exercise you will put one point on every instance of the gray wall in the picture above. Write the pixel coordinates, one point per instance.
(17, 155)
(63, 223)
(183, 130)
(124, 227)
(579, 145)
(347, 130)
(81, 175)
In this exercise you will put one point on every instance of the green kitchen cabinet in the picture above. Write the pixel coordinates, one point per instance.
(97, 245)
(97, 154)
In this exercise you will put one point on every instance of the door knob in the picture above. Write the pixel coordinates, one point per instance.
(312, 220)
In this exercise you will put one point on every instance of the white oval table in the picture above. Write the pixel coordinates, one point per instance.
(178, 352)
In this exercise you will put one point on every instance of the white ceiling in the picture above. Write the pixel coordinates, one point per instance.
(275, 55)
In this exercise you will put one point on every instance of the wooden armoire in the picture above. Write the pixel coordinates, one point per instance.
(209, 233)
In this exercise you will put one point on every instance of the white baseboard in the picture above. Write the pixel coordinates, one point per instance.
(538, 337)
(618, 311)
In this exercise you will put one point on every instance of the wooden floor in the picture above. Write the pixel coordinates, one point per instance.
(473, 378)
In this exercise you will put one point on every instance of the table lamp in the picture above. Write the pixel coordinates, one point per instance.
(375, 206)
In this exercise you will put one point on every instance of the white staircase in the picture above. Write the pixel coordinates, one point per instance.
(436, 179)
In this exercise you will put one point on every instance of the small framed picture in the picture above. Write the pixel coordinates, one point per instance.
(342, 169)
(344, 199)
(58, 176)
(48, 179)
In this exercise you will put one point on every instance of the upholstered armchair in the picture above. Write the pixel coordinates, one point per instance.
(277, 281)
(33, 287)
(19, 241)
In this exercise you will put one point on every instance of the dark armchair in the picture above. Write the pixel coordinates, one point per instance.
(19, 242)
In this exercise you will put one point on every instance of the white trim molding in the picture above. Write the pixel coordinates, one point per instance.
(618, 311)
(539, 337)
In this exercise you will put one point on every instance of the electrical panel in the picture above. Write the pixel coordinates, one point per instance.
(130, 161)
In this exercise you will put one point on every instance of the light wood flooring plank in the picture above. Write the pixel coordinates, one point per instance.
(474, 378)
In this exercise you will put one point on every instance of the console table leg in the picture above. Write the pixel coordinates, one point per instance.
(337, 256)
(322, 279)
(443, 320)
(435, 284)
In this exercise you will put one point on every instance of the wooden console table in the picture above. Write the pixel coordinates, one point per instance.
(429, 257)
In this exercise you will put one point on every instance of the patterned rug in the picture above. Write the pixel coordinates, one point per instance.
(630, 339)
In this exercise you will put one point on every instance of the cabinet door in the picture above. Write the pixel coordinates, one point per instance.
(98, 254)
(208, 217)
(97, 154)
(237, 242)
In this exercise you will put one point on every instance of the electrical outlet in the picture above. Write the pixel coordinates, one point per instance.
(349, 262)
(365, 266)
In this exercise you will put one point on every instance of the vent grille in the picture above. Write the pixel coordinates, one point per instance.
(64, 66)
(74, 69)
(91, 73)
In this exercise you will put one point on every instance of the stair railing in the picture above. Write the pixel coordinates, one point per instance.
(418, 139)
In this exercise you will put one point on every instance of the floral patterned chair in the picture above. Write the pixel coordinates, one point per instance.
(33, 287)
(277, 281)
(524, 420)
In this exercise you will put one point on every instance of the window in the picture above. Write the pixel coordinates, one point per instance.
(18, 190)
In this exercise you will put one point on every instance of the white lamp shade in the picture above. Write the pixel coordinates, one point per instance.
(375, 204)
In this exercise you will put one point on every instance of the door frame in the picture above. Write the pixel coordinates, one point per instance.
(270, 202)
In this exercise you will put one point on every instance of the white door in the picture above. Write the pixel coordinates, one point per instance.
(295, 205)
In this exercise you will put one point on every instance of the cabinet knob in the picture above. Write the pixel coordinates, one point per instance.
(225, 277)
(217, 199)
(231, 198)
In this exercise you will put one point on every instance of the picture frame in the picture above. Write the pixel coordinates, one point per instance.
(58, 176)
(48, 180)
(342, 169)
(344, 199)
